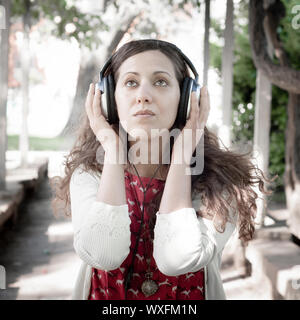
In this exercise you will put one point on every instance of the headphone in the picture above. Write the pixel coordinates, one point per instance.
(106, 85)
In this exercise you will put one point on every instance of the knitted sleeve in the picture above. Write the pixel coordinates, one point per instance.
(101, 231)
(186, 243)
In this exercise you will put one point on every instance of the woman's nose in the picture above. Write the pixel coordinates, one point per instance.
(143, 95)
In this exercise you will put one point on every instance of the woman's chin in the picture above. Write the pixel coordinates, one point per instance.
(139, 134)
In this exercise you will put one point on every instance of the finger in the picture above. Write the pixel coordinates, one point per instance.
(194, 106)
(204, 106)
(204, 97)
(207, 103)
(88, 102)
(97, 103)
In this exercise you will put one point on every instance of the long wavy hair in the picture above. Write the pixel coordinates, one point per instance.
(225, 171)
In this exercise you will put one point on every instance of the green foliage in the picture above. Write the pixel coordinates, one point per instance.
(289, 36)
(215, 25)
(277, 134)
(182, 3)
(216, 57)
(68, 21)
(244, 81)
(243, 99)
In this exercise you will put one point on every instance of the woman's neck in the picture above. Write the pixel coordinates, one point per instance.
(148, 170)
(143, 164)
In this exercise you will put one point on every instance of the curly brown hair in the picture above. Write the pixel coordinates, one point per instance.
(224, 170)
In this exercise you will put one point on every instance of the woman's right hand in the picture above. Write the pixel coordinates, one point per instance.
(104, 132)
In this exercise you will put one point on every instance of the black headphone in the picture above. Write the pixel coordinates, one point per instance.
(107, 86)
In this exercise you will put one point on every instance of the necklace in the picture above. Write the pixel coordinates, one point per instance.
(149, 286)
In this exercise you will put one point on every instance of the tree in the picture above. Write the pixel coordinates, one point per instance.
(4, 49)
(227, 74)
(283, 75)
(25, 63)
(261, 140)
(206, 42)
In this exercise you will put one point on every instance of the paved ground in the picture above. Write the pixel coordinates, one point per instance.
(37, 253)
(40, 261)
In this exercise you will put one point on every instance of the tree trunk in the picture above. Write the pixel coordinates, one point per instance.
(261, 141)
(239, 258)
(4, 49)
(25, 62)
(227, 76)
(206, 42)
(292, 164)
(88, 69)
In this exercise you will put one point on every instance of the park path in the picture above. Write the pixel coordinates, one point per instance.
(37, 252)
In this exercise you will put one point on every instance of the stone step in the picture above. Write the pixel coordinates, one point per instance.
(19, 181)
(275, 265)
(273, 233)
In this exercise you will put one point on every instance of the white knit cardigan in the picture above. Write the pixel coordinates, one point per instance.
(182, 243)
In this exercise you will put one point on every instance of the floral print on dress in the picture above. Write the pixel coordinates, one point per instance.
(110, 285)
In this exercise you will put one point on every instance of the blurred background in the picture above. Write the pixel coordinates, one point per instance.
(248, 54)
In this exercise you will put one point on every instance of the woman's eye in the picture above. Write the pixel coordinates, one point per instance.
(130, 83)
(161, 83)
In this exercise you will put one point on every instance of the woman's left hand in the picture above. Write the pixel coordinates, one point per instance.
(194, 128)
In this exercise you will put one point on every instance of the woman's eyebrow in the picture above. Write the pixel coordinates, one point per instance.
(155, 72)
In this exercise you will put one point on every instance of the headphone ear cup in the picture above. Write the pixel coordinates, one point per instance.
(103, 87)
(184, 99)
(112, 107)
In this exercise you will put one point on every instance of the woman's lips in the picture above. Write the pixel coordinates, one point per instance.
(144, 115)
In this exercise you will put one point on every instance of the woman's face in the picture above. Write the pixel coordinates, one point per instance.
(147, 81)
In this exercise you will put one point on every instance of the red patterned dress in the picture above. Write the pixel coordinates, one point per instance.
(110, 285)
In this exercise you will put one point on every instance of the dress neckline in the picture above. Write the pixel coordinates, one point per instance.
(144, 178)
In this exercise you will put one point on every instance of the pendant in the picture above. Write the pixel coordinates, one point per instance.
(149, 286)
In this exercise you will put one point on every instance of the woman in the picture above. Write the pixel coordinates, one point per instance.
(149, 230)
